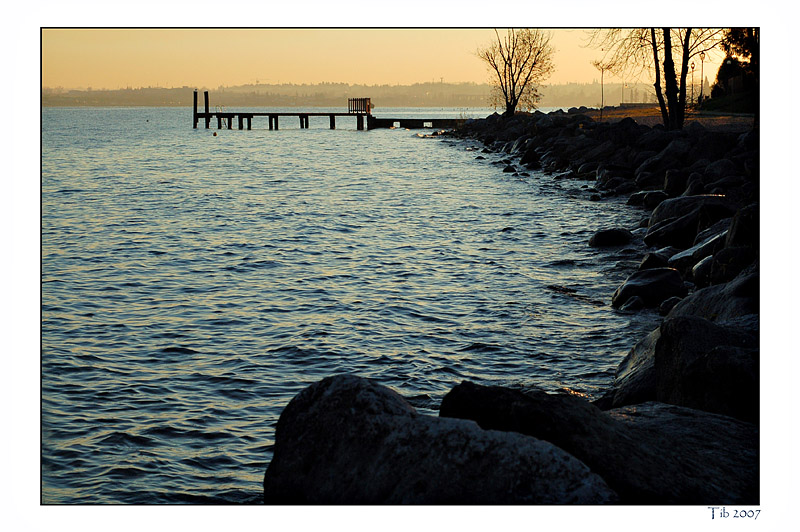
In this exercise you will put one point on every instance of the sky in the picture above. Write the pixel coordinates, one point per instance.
(120, 58)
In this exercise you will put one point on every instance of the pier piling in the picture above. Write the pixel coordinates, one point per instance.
(194, 114)
(207, 114)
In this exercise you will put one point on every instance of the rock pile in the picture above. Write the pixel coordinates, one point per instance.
(679, 423)
(700, 246)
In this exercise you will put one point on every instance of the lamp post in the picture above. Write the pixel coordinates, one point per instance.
(602, 68)
(702, 77)
(692, 82)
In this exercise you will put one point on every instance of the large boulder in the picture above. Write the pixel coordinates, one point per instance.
(721, 168)
(635, 378)
(675, 182)
(708, 366)
(683, 205)
(649, 454)
(653, 285)
(681, 231)
(723, 302)
(348, 440)
(727, 263)
(670, 157)
(744, 229)
(685, 260)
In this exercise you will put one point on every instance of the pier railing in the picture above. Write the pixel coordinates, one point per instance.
(359, 105)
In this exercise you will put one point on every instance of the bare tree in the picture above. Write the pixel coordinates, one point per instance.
(519, 62)
(648, 50)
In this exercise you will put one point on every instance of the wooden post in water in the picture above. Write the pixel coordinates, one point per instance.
(249, 122)
(240, 122)
(208, 118)
(194, 113)
(333, 121)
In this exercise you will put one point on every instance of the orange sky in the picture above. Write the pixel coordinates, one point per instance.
(118, 58)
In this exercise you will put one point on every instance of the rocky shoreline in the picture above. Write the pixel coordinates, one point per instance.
(678, 425)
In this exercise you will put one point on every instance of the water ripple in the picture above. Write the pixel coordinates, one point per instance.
(192, 285)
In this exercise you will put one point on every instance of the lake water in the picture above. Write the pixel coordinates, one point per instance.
(192, 284)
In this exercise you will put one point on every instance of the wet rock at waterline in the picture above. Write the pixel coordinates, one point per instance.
(650, 453)
(652, 285)
(348, 440)
(616, 236)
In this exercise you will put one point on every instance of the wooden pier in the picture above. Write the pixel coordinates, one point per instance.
(360, 108)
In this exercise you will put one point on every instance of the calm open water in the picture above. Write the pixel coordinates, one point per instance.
(193, 284)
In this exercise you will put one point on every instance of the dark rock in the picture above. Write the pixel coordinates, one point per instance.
(531, 157)
(729, 262)
(633, 304)
(510, 168)
(637, 198)
(612, 183)
(600, 152)
(711, 145)
(606, 171)
(347, 440)
(652, 285)
(625, 187)
(708, 366)
(723, 302)
(725, 184)
(616, 236)
(635, 378)
(653, 260)
(649, 454)
(679, 232)
(685, 260)
(654, 140)
(680, 206)
(682, 231)
(694, 188)
(649, 181)
(654, 198)
(519, 144)
(701, 272)
(667, 304)
(721, 168)
(675, 182)
(715, 229)
(667, 251)
(744, 231)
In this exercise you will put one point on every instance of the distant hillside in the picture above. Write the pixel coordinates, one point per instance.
(336, 94)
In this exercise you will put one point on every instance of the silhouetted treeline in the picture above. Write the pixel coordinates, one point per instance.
(430, 94)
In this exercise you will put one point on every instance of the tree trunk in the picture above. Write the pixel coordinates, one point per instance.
(510, 108)
(681, 110)
(670, 83)
(657, 85)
